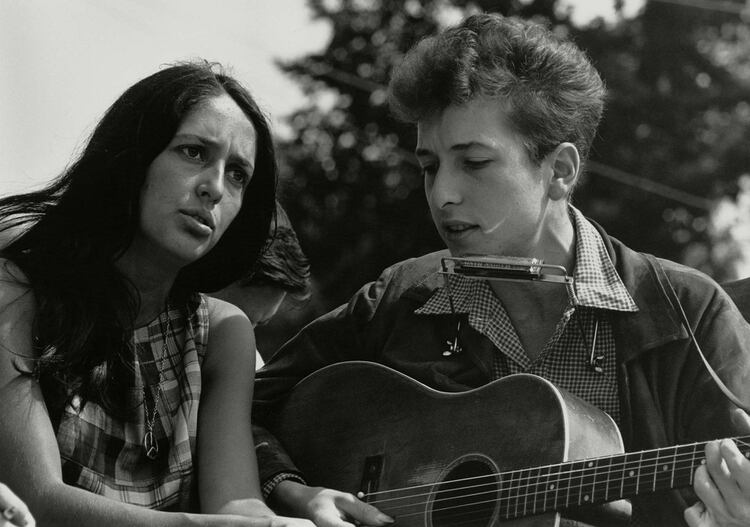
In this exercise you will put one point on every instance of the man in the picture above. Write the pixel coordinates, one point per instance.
(283, 271)
(505, 114)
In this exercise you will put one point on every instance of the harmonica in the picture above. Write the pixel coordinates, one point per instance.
(485, 267)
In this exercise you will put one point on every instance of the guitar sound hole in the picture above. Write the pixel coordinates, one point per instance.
(467, 497)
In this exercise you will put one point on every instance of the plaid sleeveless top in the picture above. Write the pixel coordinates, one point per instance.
(106, 456)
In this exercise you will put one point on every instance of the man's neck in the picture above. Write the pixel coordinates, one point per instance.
(536, 307)
(555, 242)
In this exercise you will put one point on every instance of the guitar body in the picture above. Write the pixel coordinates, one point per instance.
(362, 427)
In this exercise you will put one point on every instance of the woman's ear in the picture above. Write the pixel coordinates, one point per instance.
(565, 163)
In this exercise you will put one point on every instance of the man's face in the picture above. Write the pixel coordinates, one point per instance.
(485, 194)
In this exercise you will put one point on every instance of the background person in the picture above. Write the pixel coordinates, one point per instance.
(107, 350)
(281, 272)
(505, 114)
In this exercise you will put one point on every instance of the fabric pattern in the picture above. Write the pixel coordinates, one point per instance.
(565, 359)
(105, 455)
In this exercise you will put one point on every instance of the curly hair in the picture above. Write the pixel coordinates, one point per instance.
(548, 87)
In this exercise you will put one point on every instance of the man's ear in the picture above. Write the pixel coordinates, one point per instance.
(565, 163)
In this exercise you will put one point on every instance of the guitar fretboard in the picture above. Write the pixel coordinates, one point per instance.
(598, 480)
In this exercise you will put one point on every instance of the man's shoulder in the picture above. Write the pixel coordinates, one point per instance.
(429, 262)
(686, 273)
(632, 262)
(414, 278)
(644, 277)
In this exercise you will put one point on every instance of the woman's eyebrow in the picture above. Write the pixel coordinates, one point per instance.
(235, 158)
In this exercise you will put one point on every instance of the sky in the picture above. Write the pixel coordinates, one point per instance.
(63, 62)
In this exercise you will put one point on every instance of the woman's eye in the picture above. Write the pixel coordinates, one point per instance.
(238, 176)
(192, 152)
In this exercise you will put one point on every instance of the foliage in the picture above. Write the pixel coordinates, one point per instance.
(677, 116)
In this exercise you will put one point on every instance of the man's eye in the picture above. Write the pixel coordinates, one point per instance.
(474, 164)
(429, 170)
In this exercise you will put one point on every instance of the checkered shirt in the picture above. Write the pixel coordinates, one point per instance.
(105, 455)
(564, 361)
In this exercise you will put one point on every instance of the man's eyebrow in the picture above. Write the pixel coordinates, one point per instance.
(458, 147)
(466, 146)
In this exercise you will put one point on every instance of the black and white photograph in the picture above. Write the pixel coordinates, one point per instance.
(382, 263)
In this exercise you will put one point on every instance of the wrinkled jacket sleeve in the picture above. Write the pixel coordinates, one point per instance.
(674, 400)
(338, 336)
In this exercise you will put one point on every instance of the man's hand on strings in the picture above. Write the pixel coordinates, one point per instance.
(722, 485)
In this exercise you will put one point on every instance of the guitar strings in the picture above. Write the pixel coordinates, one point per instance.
(499, 504)
(527, 481)
(742, 442)
(505, 501)
(530, 480)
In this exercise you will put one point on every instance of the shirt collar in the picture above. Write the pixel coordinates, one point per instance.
(595, 280)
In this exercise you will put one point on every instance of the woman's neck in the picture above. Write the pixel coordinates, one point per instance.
(152, 284)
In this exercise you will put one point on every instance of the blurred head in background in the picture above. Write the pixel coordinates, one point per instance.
(283, 271)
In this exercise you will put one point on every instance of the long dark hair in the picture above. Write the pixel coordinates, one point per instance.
(75, 229)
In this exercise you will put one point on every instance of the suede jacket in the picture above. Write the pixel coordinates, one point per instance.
(666, 394)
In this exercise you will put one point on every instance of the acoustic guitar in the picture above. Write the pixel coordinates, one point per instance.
(516, 450)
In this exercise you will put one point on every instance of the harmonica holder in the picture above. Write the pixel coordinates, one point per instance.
(512, 268)
(506, 268)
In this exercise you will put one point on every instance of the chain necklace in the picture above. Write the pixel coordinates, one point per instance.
(150, 445)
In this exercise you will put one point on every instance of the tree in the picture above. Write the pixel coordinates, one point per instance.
(677, 116)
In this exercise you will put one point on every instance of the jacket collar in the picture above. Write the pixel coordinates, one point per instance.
(655, 323)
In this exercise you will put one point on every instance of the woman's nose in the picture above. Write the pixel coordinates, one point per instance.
(211, 183)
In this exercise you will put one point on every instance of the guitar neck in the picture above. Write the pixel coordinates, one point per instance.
(603, 479)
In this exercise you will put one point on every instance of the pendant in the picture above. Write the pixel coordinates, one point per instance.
(150, 445)
(454, 348)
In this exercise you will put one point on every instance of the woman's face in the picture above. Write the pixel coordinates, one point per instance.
(194, 187)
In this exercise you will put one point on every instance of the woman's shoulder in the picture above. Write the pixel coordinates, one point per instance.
(220, 310)
(231, 335)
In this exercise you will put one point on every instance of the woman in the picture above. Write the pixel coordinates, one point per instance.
(107, 350)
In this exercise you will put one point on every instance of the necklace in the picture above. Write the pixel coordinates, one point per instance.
(150, 445)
